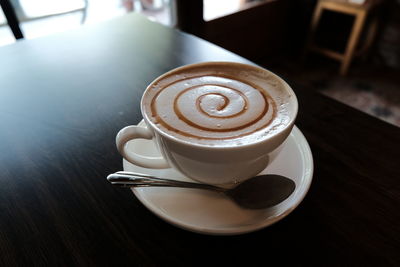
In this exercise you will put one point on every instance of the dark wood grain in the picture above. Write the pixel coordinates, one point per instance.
(64, 97)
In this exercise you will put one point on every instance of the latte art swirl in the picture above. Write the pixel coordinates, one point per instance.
(212, 107)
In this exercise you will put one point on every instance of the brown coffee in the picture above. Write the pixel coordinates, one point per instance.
(218, 104)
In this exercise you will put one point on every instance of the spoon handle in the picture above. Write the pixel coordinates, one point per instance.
(130, 179)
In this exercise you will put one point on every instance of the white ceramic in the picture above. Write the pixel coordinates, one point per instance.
(220, 165)
(208, 212)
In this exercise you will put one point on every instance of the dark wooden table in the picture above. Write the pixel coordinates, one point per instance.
(64, 97)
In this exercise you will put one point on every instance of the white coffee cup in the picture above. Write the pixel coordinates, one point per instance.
(256, 107)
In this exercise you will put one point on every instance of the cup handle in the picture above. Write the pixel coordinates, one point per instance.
(137, 132)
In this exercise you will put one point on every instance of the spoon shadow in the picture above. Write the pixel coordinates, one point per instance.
(262, 191)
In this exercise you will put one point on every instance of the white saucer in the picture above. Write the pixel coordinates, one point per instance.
(207, 212)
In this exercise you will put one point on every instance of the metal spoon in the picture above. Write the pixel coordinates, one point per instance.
(259, 192)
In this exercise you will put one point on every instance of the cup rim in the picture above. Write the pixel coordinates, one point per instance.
(216, 147)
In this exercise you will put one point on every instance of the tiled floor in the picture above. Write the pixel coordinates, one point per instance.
(370, 88)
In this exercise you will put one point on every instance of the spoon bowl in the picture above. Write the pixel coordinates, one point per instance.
(259, 192)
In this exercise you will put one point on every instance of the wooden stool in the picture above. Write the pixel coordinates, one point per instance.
(360, 12)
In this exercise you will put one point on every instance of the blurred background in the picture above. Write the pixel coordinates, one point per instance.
(346, 49)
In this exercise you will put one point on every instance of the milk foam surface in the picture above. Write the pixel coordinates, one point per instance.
(218, 105)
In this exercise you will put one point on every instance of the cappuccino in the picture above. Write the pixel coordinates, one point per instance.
(219, 104)
(215, 122)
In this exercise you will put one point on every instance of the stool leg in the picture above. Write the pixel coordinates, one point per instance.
(352, 43)
(372, 30)
(12, 19)
(314, 24)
